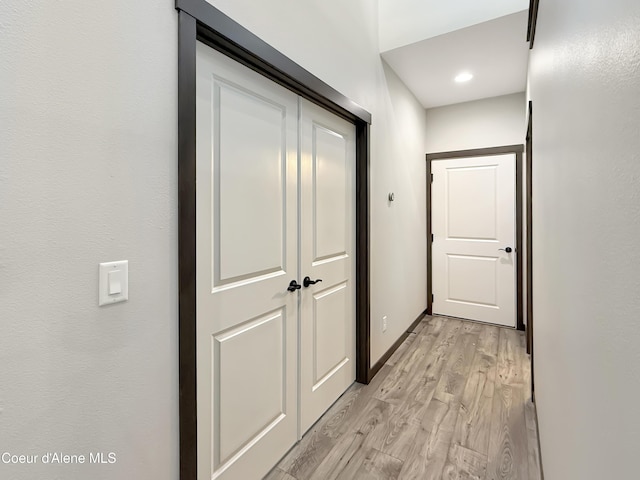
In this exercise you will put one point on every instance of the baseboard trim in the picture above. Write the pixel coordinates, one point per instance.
(380, 363)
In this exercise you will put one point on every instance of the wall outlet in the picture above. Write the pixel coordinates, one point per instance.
(384, 323)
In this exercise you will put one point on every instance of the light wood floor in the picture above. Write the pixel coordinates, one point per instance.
(452, 403)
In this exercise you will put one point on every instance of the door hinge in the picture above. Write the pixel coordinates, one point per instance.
(432, 237)
(432, 297)
(432, 178)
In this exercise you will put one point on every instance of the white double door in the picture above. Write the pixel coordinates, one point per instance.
(473, 223)
(274, 204)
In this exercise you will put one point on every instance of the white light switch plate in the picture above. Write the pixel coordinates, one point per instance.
(114, 282)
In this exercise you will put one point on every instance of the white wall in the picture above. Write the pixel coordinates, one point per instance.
(403, 22)
(88, 169)
(585, 87)
(399, 228)
(88, 174)
(490, 122)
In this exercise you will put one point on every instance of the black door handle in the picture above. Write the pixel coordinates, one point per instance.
(307, 281)
(293, 286)
(508, 249)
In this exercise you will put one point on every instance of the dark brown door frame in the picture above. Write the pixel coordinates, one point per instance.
(533, 19)
(200, 21)
(481, 152)
(529, 243)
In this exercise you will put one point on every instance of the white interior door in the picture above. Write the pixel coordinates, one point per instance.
(473, 223)
(327, 328)
(247, 253)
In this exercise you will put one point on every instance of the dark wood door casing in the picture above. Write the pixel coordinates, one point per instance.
(480, 152)
(200, 21)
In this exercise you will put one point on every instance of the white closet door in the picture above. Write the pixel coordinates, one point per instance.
(327, 232)
(473, 218)
(247, 253)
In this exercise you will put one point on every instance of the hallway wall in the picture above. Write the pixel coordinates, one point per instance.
(88, 173)
(585, 88)
(490, 122)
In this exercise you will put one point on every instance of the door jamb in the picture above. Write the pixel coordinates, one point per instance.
(200, 21)
(529, 243)
(533, 19)
(480, 152)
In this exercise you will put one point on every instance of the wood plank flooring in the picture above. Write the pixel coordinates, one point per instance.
(452, 403)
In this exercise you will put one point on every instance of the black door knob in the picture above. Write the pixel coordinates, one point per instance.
(508, 249)
(307, 281)
(293, 286)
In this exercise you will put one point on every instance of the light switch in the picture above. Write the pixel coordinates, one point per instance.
(114, 282)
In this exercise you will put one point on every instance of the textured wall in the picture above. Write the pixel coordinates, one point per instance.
(399, 228)
(585, 87)
(490, 122)
(88, 174)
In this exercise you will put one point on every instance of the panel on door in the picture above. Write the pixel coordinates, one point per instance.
(247, 253)
(473, 222)
(327, 232)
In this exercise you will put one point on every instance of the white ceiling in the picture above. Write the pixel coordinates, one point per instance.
(495, 52)
(408, 21)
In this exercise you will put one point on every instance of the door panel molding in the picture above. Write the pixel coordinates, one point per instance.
(268, 333)
(200, 21)
(327, 236)
(323, 332)
(480, 152)
(235, 262)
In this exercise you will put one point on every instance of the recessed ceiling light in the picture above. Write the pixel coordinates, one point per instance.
(463, 77)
